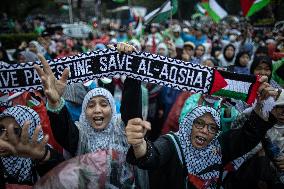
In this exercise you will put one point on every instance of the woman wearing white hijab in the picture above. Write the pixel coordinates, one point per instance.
(100, 130)
(36, 48)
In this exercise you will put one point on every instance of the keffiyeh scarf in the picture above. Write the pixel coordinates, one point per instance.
(18, 167)
(203, 164)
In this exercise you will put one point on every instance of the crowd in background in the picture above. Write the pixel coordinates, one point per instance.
(232, 46)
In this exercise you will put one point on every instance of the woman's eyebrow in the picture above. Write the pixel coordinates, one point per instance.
(103, 100)
(211, 123)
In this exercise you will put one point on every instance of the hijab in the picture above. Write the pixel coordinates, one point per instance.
(18, 167)
(112, 136)
(224, 60)
(29, 56)
(238, 68)
(238, 57)
(224, 52)
(99, 46)
(110, 141)
(198, 160)
(39, 47)
(162, 46)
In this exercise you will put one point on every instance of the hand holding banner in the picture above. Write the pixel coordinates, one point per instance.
(108, 62)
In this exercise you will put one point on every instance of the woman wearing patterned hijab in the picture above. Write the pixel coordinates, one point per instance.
(99, 133)
(30, 153)
(195, 156)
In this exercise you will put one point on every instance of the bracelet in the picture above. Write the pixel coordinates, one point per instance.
(45, 154)
(58, 108)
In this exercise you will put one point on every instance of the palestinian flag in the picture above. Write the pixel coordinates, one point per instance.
(249, 7)
(214, 10)
(162, 13)
(240, 87)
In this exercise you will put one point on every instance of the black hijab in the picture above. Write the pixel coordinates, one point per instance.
(224, 54)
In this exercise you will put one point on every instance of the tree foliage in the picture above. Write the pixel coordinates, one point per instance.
(21, 8)
(150, 4)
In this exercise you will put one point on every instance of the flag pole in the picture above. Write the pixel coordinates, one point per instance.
(171, 12)
(171, 18)
(70, 12)
(130, 7)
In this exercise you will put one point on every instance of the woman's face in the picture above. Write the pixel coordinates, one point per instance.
(203, 131)
(199, 51)
(32, 48)
(244, 60)
(208, 63)
(153, 29)
(187, 53)
(4, 123)
(162, 52)
(176, 34)
(59, 46)
(262, 69)
(148, 48)
(98, 112)
(229, 53)
(21, 58)
(279, 114)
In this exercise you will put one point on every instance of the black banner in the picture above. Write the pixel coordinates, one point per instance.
(107, 63)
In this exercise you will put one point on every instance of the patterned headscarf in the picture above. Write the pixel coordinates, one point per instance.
(112, 136)
(40, 49)
(29, 56)
(197, 160)
(18, 167)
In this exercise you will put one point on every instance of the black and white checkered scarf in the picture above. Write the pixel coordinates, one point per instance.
(18, 167)
(197, 160)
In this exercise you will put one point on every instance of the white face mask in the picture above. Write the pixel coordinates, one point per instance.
(232, 38)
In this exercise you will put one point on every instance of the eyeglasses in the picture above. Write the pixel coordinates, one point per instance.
(279, 109)
(200, 124)
(17, 130)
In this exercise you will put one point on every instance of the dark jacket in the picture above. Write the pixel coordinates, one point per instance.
(162, 154)
(67, 134)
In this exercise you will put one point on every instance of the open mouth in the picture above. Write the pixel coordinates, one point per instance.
(98, 120)
(200, 140)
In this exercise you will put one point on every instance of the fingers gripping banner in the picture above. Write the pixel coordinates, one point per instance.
(107, 63)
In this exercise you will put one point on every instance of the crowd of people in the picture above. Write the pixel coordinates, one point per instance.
(123, 133)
